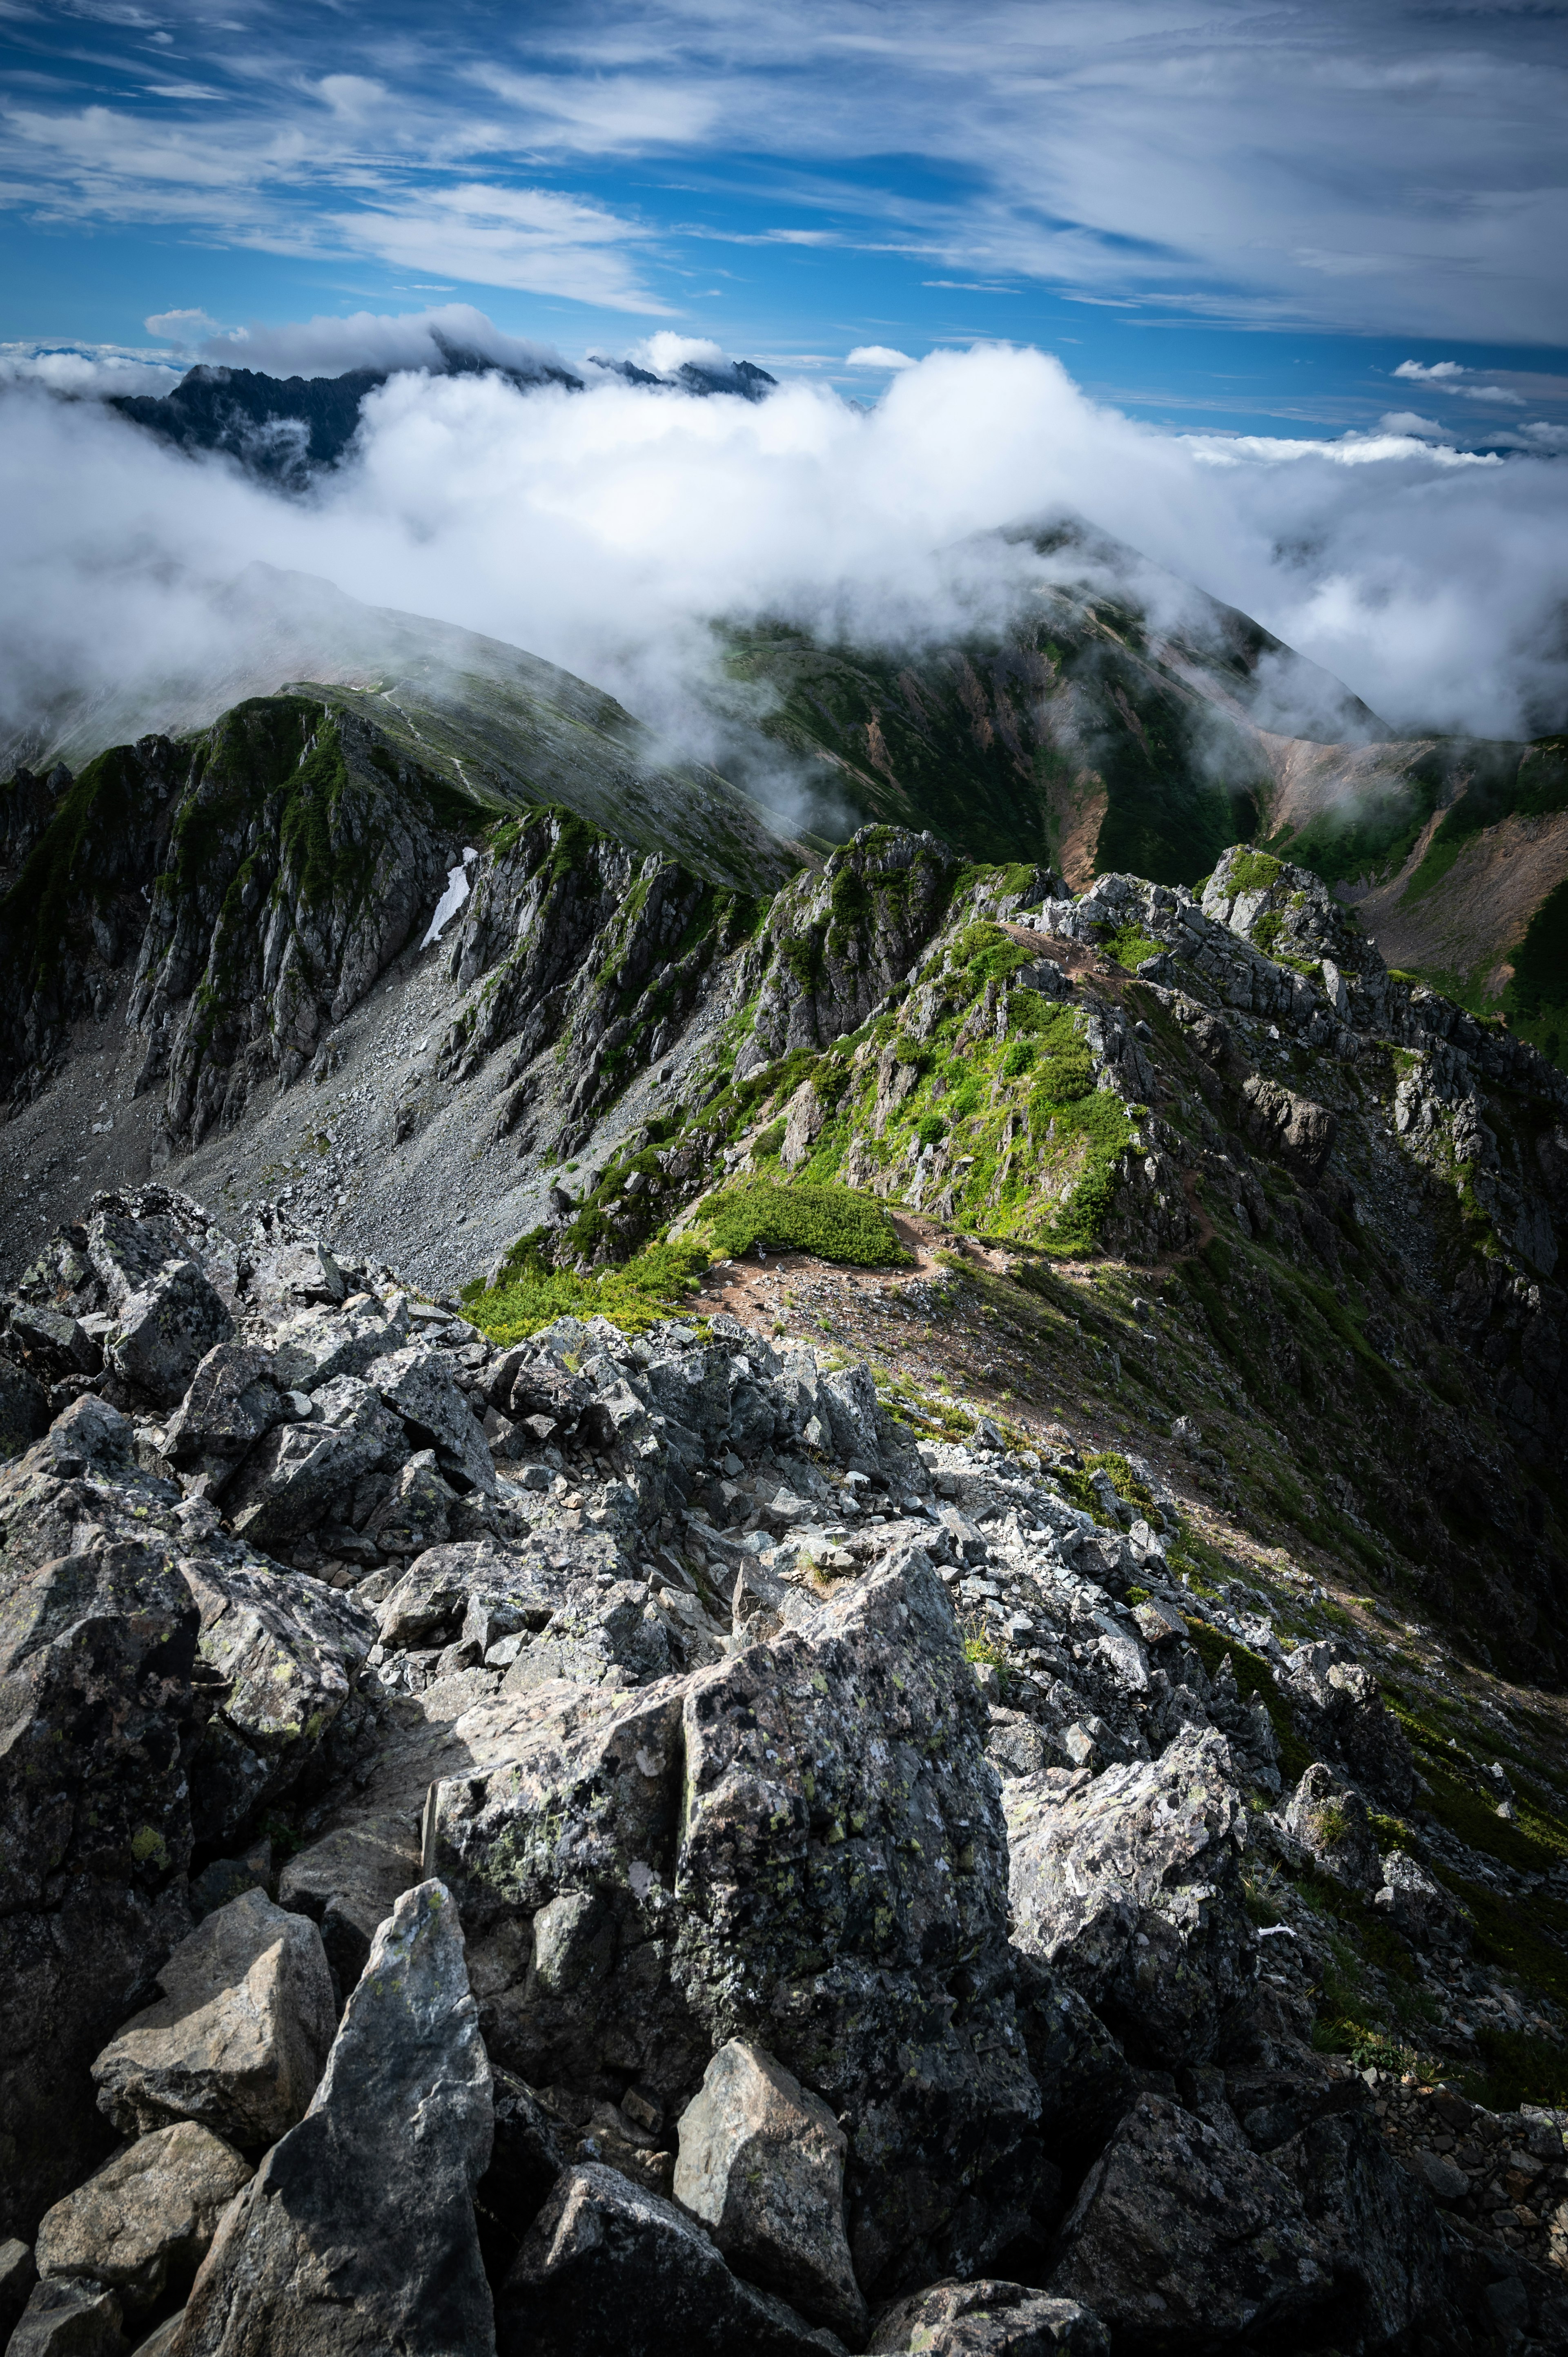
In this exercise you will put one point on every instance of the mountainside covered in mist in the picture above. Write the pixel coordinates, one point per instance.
(287, 430)
(791, 1597)
(1121, 720)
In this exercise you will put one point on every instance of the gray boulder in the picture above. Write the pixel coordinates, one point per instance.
(1181, 2239)
(1414, 1902)
(761, 2164)
(348, 1882)
(239, 2036)
(97, 1648)
(417, 1384)
(65, 2319)
(146, 2217)
(166, 1330)
(17, 2275)
(357, 2233)
(309, 1350)
(290, 1478)
(416, 1513)
(52, 1343)
(1380, 2226)
(1128, 1885)
(607, 2265)
(987, 2319)
(23, 1408)
(296, 1273)
(232, 1399)
(1328, 1818)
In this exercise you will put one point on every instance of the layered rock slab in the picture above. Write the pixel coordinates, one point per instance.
(357, 2235)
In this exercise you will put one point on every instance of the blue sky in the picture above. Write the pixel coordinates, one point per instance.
(1265, 218)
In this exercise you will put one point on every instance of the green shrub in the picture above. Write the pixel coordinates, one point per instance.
(835, 1222)
(1521, 2067)
(771, 1138)
(531, 1294)
(1253, 871)
(1018, 1059)
(930, 1129)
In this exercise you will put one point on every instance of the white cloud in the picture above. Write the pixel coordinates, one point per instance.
(877, 356)
(666, 352)
(180, 326)
(1405, 420)
(1438, 372)
(327, 346)
(603, 529)
(531, 239)
(89, 368)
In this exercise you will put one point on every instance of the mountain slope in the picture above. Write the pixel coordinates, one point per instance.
(499, 726)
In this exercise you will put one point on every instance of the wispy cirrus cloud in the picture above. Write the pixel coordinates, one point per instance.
(1387, 170)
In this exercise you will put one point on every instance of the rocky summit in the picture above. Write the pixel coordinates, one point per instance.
(810, 1601)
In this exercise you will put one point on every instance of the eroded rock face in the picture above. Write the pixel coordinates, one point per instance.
(147, 2217)
(1128, 1886)
(357, 2233)
(761, 2165)
(239, 2037)
(606, 2264)
(1345, 1718)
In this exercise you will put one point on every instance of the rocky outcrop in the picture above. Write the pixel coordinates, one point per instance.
(357, 2231)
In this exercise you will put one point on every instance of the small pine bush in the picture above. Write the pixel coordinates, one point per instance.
(835, 1222)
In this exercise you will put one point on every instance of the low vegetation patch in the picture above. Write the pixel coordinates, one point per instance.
(529, 1293)
(835, 1222)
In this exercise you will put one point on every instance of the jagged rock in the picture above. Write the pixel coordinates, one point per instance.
(841, 1876)
(239, 2039)
(1301, 1133)
(97, 1649)
(987, 2319)
(608, 2264)
(1415, 1903)
(1384, 2237)
(52, 1344)
(761, 2164)
(311, 1350)
(416, 1384)
(131, 1234)
(146, 2217)
(223, 1878)
(65, 2318)
(416, 1516)
(573, 1836)
(1128, 1886)
(290, 1478)
(232, 1399)
(1182, 2239)
(616, 1634)
(1328, 1818)
(1342, 1715)
(294, 1272)
(24, 1409)
(348, 1882)
(288, 1653)
(358, 2232)
(165, 1330)
(17, 2275)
